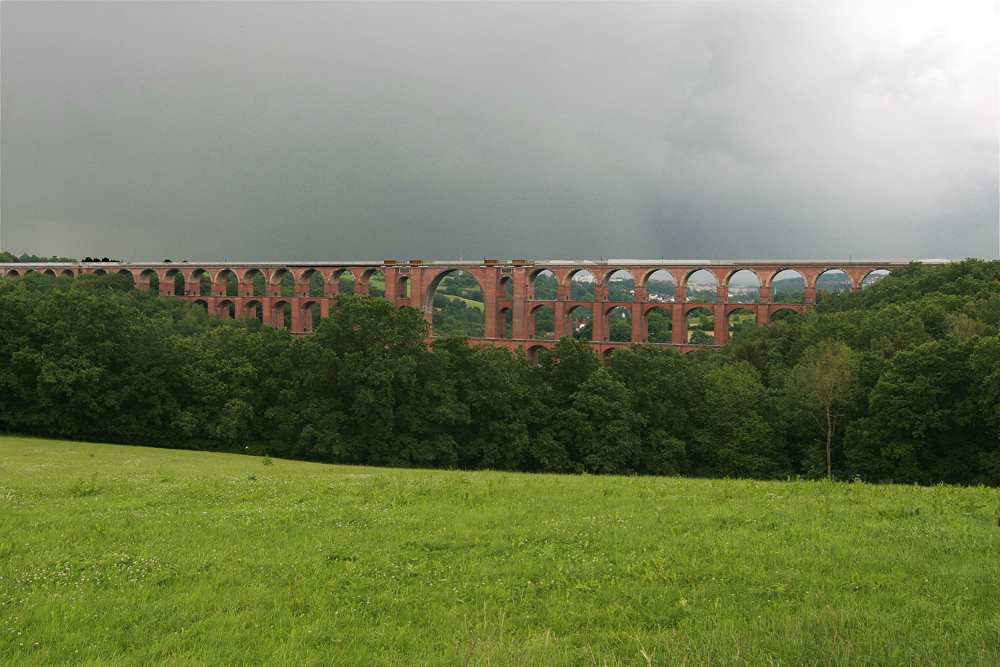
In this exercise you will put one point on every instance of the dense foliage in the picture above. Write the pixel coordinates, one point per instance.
(899, 382)
(9, 257)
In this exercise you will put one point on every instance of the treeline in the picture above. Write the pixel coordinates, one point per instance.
(9, 257)
(900, 382)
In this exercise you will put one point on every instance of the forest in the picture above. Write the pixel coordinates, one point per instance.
(897, 383)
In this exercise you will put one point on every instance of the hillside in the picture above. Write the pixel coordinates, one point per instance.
(116, 555)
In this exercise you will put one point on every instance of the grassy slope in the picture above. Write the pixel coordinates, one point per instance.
(132, 556)
(478, 305)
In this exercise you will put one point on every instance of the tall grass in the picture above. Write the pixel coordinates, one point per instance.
(133, 556)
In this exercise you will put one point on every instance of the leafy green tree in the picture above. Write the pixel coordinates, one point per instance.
(699, 337)
(985, 365)
(223, 383)
(663, 388)
(495, 392)
(925, 422)
(546, 286)
(822, 387)
(659, 322)
(379, 351)
(620, 330)
(566, 367)
(545, 323)
(733, 436)
(80, 366)
(607, 433)
(371, 327)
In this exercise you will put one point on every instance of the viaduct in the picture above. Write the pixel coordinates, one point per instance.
(508, 289)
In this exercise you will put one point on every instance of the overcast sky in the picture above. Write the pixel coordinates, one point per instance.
(347, 131)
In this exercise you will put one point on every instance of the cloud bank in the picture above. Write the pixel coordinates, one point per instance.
(325, 131)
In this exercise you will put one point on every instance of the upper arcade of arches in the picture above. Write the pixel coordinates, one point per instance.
(507, 292)
(743, 286)
(620, 285)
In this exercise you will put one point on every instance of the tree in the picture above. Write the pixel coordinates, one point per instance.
(566, 367)
(733, 437)
(929, 417)
(607, 431)
(371, 327)
(823, 385)
(663, 387)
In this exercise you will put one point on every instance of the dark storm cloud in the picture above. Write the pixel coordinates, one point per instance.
(423, 130)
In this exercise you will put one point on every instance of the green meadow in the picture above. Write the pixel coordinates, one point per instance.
(114, 555)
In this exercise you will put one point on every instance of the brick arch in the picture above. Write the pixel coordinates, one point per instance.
(530, 284)
(250, 309)
(534, 350)
(850, 281)
(595, 319)
(567, 279)
(337, 274)
(767, 275)
(226, 309)
(305, 314)
(501, 322)
(605, 307)
(279, 274)
(608, 307)
(427, 303)
(305, 276)
(731, 308)
(503, 282)
(728, 274)
(729, 312)
(277, 314)
(681, 290)
(805, 276)
(365, 281)
(605, 276)
(404, 284)
(645, 311)
(781, 309)
(532, 319)
(603, 289)
(248, 275)
(534, 273)
(145, 279)
(691, 308)
(861, 282)
(686, 276)
(648, 273)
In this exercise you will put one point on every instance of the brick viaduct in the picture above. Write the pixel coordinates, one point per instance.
(507, 286)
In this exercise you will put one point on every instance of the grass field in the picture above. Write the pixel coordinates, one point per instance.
(478, 305)
(132, 556)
